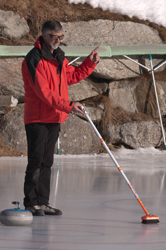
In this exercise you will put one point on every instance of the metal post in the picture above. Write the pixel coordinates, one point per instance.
(158, 106)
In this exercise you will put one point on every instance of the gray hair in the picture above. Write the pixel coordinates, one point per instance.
(51, 25)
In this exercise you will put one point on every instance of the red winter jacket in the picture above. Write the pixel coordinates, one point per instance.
(46, 78)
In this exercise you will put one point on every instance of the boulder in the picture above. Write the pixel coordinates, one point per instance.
(11, 83)
(12, 131)
(146, 98)
(119, 67)
(107, 32)
(109, 68)
(95, 113)
(8, 101)
(112, 33)
(2, 110)
(122, 68)
(117, 78)
(77, 137)
(86, 89)
(12, 26)
(135, 135)
(121, 94)
(137, 95)
(114, 68)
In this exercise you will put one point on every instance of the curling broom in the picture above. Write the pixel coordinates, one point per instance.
(148, 218)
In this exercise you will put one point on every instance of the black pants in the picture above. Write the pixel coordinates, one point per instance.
(41, 139)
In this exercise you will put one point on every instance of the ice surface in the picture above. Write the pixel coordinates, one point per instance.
(99, 210)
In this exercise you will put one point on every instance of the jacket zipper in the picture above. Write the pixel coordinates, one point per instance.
(59, 75)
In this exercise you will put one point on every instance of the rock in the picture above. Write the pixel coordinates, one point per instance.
(146, 99)
(11, 83)
(137, 95)
(12, 131)
(114, 68)
(135, 135)
(122, 68)
(116, 77)
(2, 110)
(107, 32)
(119, 90)
(8, 101)
(95, 113)
(112, 33)
(77, 137)
(119, 68)
(161, 93)
(86, 89)
(12, 26)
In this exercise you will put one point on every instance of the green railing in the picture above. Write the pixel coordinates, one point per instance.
(104, 51)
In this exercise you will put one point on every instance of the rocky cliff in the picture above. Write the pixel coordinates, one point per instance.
(118, 96)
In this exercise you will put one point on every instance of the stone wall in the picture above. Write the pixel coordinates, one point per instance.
(118, 96)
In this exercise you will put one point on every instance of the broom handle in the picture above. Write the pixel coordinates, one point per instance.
(114, 160)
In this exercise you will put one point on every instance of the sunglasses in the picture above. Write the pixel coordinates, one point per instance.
(56, 37)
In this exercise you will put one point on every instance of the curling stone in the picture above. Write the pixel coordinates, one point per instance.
(16, 216)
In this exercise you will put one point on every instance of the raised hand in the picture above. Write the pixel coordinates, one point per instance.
(94, 56)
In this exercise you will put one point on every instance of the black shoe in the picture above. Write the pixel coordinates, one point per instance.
(48, 210)
(35, 210)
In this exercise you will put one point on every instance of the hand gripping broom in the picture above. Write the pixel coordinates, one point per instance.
(148, 218)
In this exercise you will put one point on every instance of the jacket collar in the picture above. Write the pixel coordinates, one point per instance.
(58, 54)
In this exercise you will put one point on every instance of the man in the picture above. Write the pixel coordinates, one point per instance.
(46, 76)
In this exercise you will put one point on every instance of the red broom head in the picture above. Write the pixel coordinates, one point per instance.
(150, 219)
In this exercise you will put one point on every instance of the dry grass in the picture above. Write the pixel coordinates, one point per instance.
(8, 151)
(115, 115)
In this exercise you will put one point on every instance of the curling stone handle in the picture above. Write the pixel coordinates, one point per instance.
(16, 203)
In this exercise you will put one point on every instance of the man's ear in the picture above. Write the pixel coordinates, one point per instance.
(43, 35)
